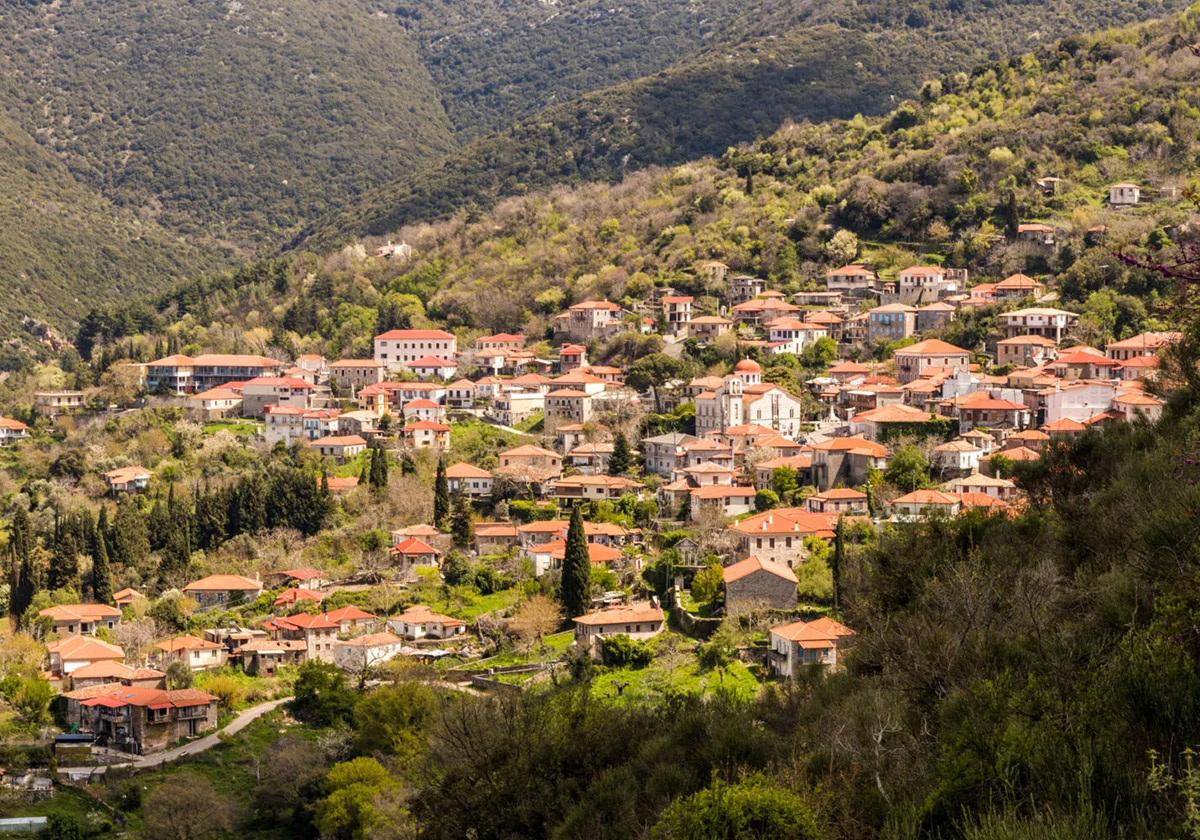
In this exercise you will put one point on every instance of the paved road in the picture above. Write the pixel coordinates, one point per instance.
(236, 725)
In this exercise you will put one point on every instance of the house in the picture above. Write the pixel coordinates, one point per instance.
(1043, 321)
(837, 501)
(262, 391)
(396, 348)
(126, 596)
(756, 584)
(925, 283)
(420, 622)
(763, 309)
(297, 595)
(592, 319)
(311, 578)
(355, 374)
(589, 458)
(351, 620)
(427, 434)
(317, 632)
(341, 448)
(892, 322)
(789, 335)
(846, 460)
(108, 671)
(804, 643)
(550, 555)
(743, 287)
(197, 654)
(422, 409)
(933, 315)
(66, 655)
(262, 657)
(637, 621)
(141, 720)
(73, 619)
(980, 409)
(512, 407)
(566, 406)
(852, 280)
(363, 652)
(677, 312)
(53, 403)
(1036, 236)
(663, 454)
(1124, 195)
(127, 479)
(586, 488)
(1146, 344)
(12, 431)
(707, 328)
(495, 537)
(726, 500)
(416, 552)
(571, 357)
(778, 535)
(224, 590)
(460, 394)
(881, 424)
(432, 367)
(913, 361)
(919, 504)
(1026, 351)
(1083, 365)
(1136, 404)
(957, 456)
(984, 485)
(1018, 287)
(186, 375)
(530, 462)
(765, 470)
(468, 480)
(215, 403)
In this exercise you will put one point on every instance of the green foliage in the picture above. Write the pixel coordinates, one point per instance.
(706, 585)
(621, 460)
(577, 569)
(321, 694)
(765, 499)
(392, 719)
(621, 651)
(441, 495)
(753, 809)
(350, 811)
(908, 469)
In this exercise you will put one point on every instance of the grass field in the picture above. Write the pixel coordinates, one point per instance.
(238, 428)
(673, 674)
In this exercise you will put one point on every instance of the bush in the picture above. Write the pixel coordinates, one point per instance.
(754, 809)
(623, 652)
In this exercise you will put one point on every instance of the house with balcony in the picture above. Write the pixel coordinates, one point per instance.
(82, 619)
(141, 720)
(1044, 321)
(891, 322)
(802, 643)
(396, 348)
(224, 590)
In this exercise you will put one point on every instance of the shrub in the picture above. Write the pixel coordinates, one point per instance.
(623, 652)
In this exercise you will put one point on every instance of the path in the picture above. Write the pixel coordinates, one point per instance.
(244, 719)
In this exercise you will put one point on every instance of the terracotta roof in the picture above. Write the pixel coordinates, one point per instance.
(340, 440)
(597, 552)
(431, 361)
(421, 614)
(427, 425)
(897, 413)
(932, 347)
(223, 583)
(414, 335)
(839, 493)
(723, 491)
(787, 521)
(412, 545)
(111, 669)
(463, 470)
(926, 497)
(76, 648)
(631, 614)
(348, 614)
(306, 621)
(821, 630)
(297, 594)
(753, 564)
(80, 612)
(185, 643)
(380, 639)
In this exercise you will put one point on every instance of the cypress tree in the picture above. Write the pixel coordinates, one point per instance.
(21, 543)
(102, 585)
(29, 583)
(622, 458)
(64, 562)
(461, 527)
(839, 548)
(577, 569)
(407, 465)
(441, 495)
(130, 544)
(176, 556)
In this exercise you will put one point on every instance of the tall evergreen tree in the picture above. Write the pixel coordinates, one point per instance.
(577, 569)
(102, 585)
(211, 512)
(622, 458)
(407, 465)
(441, 495)
(839, 556)
(64, 562)
(130, 544)
(379, 468)
(461, 528)
(1011, 216)
(173, 565)
(21, 545)
(30, 581)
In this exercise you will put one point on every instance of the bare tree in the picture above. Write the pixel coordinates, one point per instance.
(535, 619)
(135, 637)
(186, 807)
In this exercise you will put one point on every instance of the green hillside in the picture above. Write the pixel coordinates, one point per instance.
(233, 120)
(777, 62)
(64, 249)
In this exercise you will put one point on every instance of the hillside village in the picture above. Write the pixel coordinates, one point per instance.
(449, 504)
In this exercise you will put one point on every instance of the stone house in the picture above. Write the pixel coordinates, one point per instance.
(755, 584)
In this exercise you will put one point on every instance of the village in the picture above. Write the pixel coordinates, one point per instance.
(710, 505)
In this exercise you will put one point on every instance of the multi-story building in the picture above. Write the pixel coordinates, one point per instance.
(593, 319)
(396, 348)
(893, 322)
(356, 373)
(264, 391)
(912, 362)
(1051, 323)
(852, 281)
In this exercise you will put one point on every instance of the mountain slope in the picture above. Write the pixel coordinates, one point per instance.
(64, 249)
(224, 118)
(849, 59)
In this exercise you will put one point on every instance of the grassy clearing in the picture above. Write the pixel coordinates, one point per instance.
(667, 675)
(238, 428)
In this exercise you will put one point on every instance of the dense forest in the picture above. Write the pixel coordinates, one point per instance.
(777, 62)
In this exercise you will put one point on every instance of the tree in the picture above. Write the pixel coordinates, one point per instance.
(707, 583)
(621, 459)
(294, 499)
(819, 354)
(179, 675)
(838, 562)
(461, 527)
(1011, 216)
(621, 651)
(535, 619)
(321, 694)
(842, 247)
(908, 469)
(64, 563)
(349, 812)
(753, 809)
(185, 807)
(130, 544)
(765, 500)
(378, 475)
(392, 718)
(31, 701)
(784, 480)
(577, 569)
(102, 583)
(63, 827)
(289, 777)
(651, 373)
(441, 495)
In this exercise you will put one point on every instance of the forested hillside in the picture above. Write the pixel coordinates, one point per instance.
(776, 62)
(63, 249)
(228, 120)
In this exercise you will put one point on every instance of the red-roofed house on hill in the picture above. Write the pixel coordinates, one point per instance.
(70, 619)
(185, 375)
(141, 720)
(396, 348)
(197, 654)
(420, 622)
(316, 631)
(262, 391)
(223, 590)
(919, 504)
(778, 535)
(677, 311)
(66, 655)
(852, 281)
(127, 479)
(593, 319)
(756, 584)
(914, 360)
(12, 431)
(427, 434)
(356, 373)
(341, 448)
(1146, 344)
(432, 367)
(847, 460)
(637, 621)
(416, 552)
(806, 643)
(468, 480)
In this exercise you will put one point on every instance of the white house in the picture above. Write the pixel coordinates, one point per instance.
(362, 652)
(420, 622)
(806, 642)
(1124, 194)
(638, 621)
(396, 348)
